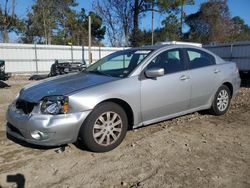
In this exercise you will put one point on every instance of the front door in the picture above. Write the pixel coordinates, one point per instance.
(168, 94)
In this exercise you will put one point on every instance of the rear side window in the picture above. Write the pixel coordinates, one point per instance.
(170, 60)
(198, 58)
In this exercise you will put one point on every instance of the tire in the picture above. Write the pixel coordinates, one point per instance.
(221, 101)
(105, 128)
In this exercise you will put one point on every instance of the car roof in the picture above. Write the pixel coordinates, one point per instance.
(159, 46)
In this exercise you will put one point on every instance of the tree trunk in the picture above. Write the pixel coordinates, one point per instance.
(126, 32)
(135, 32)
(5, 35)
(5, 24)
(44, 29)
(49, 36)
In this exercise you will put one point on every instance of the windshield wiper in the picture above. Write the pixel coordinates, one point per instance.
(99, 72)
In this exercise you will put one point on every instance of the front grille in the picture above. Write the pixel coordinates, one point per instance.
(25, 106)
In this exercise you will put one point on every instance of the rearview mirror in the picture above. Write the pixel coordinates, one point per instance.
(154, 72)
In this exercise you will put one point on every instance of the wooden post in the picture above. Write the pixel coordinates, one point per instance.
(36, 59)
(90, 55)
(152, 22)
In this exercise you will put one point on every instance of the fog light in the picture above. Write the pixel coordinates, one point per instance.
(38, 135)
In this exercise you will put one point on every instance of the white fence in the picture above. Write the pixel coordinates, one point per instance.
(34, 58)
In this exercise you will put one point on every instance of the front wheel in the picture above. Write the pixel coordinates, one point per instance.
(221, 101)
(105, 128)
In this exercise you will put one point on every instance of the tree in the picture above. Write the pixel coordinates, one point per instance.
(46, 14)
(56, 22)
(32, 32)
(117, 16)
(176, 6)
(9, 21)
(212, 23)
(199, 28)
(171, 29)
(241, 31)
(74, 28)
(161, 6)
(122, 17)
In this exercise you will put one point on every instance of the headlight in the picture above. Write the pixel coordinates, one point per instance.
(55, 105)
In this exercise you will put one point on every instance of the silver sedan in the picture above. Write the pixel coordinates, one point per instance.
(124, 90)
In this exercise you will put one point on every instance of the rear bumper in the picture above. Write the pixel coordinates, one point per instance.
(54, 130)
(236, 85)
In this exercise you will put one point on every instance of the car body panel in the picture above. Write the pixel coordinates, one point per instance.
(62, 85)
(61, 129)
(200, 78)
(169, 87)
(127, 89)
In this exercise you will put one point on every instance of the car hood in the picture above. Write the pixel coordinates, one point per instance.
(62, 85)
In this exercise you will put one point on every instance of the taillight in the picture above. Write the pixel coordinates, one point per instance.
(237, 69)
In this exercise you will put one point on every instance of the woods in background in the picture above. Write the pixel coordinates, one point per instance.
(118, 21)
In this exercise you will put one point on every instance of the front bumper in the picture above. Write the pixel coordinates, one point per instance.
(56, 129)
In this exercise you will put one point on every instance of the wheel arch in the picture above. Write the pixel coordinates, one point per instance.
(125, 106)
(230, 87)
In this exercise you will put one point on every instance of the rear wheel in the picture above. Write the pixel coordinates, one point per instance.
(105, 128)
(221, 101)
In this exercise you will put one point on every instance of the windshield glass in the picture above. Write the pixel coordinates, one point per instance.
(119, 64)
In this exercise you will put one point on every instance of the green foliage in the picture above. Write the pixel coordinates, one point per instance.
(9, 22)
(44, 19)
(169, 32)
(56, 22)
(172, 31)
(74, 29)
(199, 28)
(172, 5)
(59, 22)
(241, 31)
(211, 23)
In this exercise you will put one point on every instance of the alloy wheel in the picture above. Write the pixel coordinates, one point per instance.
(222, 100)
(107, 128)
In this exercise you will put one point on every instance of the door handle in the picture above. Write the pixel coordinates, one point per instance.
(216, 71)
(183, 77)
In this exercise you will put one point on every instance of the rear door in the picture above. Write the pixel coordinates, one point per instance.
(204, 76)
(168, 94)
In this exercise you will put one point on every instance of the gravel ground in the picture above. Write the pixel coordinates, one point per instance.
(196, 150)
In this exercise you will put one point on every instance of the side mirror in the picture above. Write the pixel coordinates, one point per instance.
(154, 72)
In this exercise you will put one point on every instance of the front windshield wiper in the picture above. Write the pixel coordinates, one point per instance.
(99, 72)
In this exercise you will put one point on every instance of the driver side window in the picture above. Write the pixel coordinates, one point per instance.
(169, 60)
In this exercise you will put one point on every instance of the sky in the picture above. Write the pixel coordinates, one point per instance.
(236, 7)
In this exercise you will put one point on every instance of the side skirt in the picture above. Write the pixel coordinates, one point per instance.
(171, 116)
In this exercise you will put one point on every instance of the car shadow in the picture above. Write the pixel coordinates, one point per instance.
(245, 80)
(245, 83)
(3, 84)
(39, 77)
(80, 146)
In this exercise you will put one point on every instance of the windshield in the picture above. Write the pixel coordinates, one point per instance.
(119, 64)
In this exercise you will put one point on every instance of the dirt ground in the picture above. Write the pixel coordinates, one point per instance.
(196, 150)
